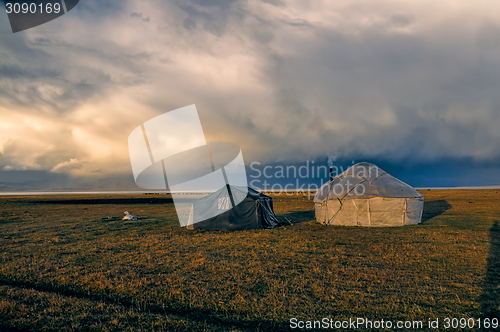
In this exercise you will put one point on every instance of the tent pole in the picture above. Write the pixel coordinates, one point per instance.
(369, 212)
(228, 187)
(404, 212)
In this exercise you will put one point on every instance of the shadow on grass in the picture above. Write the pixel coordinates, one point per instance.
(434, 208)
(297, 216)
(490, 298)
(210, 316)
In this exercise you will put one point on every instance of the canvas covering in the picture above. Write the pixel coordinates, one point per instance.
(254, 210)
(365, 195)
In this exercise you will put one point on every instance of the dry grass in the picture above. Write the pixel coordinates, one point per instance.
(63, 267)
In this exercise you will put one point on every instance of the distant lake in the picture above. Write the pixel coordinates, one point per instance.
(135, 192)
(130, 192)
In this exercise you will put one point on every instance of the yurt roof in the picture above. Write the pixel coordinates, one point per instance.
(364, 180)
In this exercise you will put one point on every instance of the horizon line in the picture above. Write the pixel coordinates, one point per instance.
(142, 192)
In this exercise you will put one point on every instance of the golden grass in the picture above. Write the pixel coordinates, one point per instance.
(64, 267)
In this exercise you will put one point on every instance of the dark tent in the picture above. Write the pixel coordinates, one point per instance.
(254, 211)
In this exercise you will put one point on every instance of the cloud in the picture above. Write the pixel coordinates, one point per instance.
(66, 165)
(286, 80)
(139, 15)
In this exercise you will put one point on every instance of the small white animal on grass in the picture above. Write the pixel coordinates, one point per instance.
(128, 216)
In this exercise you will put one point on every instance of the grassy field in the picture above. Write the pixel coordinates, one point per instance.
(64, 266)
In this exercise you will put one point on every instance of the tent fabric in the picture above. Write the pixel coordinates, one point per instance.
(255, 211)
(365, 195)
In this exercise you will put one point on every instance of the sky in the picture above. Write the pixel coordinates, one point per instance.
(412, 86)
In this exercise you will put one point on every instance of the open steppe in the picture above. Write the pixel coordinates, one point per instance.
(64, 265)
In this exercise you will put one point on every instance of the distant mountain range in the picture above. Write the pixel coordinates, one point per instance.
(39, 181)
(101, 184)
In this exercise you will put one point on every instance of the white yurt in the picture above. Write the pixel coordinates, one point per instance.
(365, 195)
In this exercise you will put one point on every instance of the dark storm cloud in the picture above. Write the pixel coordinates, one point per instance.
(387, 93)
(286, 80)
(211, 16)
